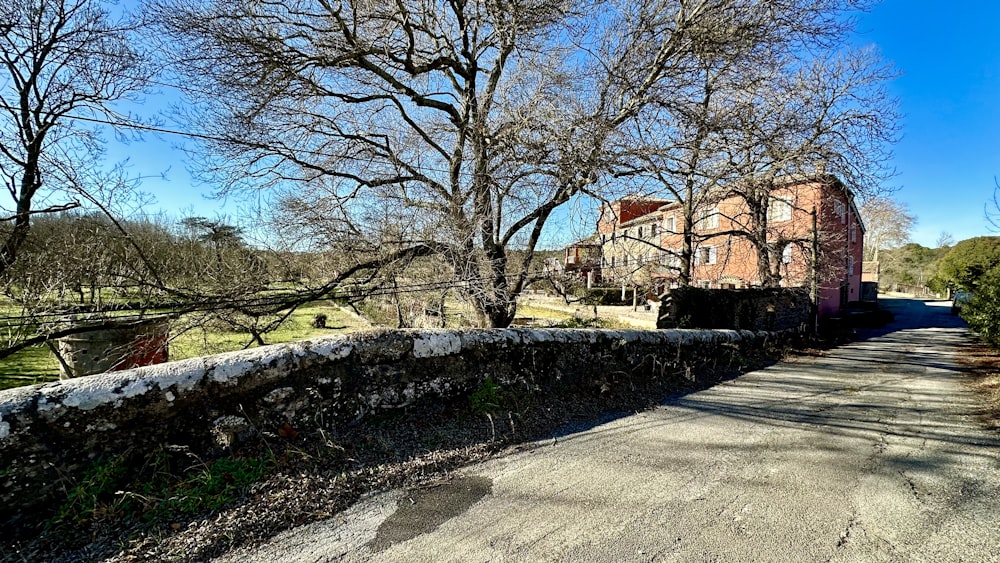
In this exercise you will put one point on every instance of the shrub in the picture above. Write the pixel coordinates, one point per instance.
(487, 397)
(982, 312)
(319, 321)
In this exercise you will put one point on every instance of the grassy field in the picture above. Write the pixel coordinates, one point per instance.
(38, 365)
(541, 312)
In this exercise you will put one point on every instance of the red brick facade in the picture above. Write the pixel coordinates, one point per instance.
(640, 239)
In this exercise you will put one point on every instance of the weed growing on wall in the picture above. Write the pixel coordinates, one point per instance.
(167, 485)
(93, 497)
(487, 398)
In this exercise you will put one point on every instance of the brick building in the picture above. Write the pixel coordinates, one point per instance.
(640, 241)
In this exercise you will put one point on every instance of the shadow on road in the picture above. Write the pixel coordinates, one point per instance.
(887, 384)
(914, 314)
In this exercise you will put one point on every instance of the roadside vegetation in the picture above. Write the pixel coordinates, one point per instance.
(972, 266)
(984, 378)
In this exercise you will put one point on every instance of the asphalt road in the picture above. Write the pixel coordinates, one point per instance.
(870, 453)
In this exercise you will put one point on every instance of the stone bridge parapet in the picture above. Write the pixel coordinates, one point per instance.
(50, 433)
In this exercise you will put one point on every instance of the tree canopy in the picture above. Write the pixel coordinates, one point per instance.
(964, 266)
(456, 129)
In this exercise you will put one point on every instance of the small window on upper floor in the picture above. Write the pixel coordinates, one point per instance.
(707, 255)
(840, 210)
(780, 209)
(640, 232)
(670, 224)
(854, 232)
(653, 230)
(707, 218)
(850, 265)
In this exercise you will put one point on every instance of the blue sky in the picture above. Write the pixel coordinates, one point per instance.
(947, 158)
(949, 93)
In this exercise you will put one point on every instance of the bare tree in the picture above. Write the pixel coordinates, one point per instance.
(827, 118)
(59, 60)
(888, 224)
(945, 239)
(723, 120)
(465, 123)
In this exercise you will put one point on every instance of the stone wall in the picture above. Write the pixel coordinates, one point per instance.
(49, 434)
(740, 309)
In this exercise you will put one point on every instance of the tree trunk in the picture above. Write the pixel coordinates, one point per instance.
(687, 242)
(22, 218)
(759, 229)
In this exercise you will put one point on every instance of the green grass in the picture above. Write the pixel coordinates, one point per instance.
(28, 367)
(160, 488)
(539, 312)
(38, 365)
(201, 341)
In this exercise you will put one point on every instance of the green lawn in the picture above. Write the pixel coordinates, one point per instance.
(38, 365)
(542, 312)
(27, 367)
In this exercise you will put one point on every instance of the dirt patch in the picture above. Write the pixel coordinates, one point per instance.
(425, 509)
(984, 378)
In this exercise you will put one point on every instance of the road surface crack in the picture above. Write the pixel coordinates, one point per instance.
(913, 486)
(845, 536)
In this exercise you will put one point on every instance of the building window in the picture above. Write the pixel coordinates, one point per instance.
(840, 210)
(786, 254)
(780, 209)
(670, 259)
(707, 255)
(640, 232)
(854, 232)
(653, 229)
(670, 224)
(707, 218)
(850, 265)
